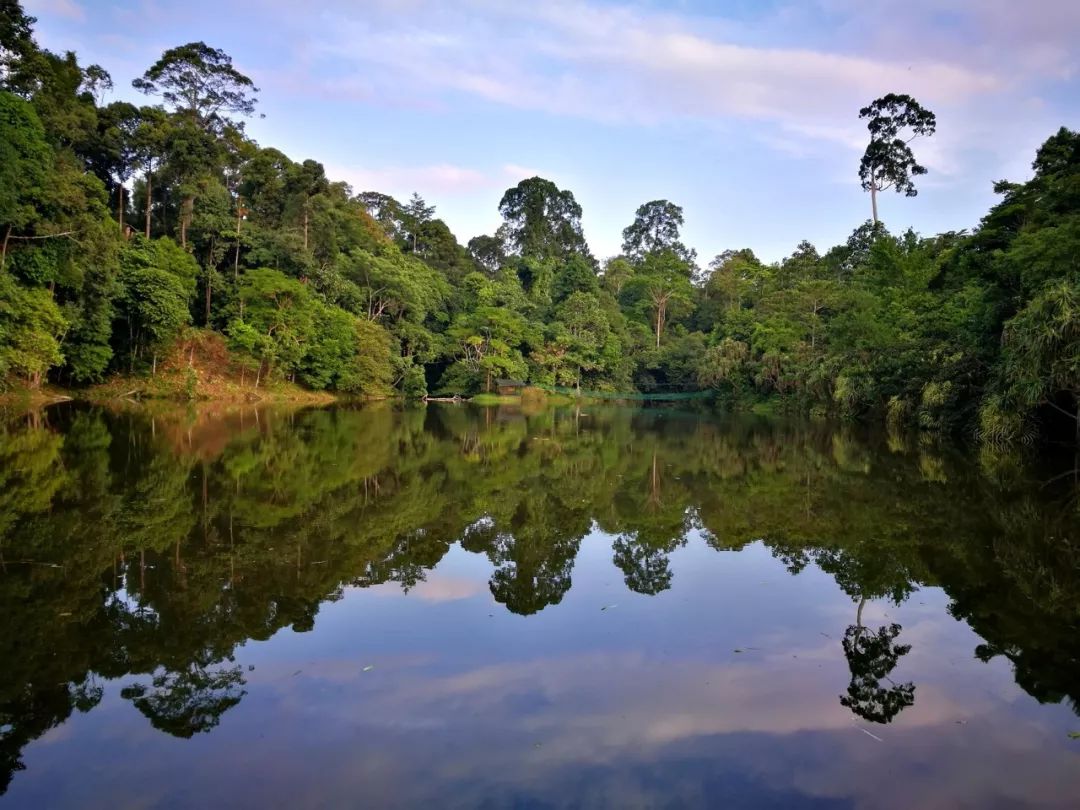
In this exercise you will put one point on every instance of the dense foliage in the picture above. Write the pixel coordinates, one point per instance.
(123, 226)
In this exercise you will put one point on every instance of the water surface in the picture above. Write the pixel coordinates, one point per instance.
(462, 607)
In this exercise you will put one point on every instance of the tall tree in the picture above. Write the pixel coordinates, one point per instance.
(489, 252)
(200, 81)
(203, 88)
(894, 121)
(416, 214)
(542, 220)
(662, 287)
(115, 149)
(25, 161)
(16, 43)
(149, 141)
(656, 227)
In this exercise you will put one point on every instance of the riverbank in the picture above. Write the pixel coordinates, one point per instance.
(167, 390)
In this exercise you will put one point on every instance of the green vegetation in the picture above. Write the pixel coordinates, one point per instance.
(124, 226)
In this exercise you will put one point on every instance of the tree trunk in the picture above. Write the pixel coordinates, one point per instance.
(209, 291)
(149, 201)
(120, 209)
(187, 209)
(873, 200)
(236, 259)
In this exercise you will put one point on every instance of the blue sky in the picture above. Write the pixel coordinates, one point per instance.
(744, 112)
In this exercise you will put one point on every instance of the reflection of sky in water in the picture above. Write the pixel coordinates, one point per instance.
(723, 689)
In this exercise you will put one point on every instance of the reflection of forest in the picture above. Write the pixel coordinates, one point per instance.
(150, 548)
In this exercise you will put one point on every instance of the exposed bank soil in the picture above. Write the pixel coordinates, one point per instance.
(199, 366)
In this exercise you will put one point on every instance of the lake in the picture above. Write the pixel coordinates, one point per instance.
(455, 606)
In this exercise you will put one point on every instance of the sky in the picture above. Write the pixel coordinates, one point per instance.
(744, 112)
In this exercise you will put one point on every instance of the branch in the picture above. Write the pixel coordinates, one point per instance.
(1056, 407)
(47, 236)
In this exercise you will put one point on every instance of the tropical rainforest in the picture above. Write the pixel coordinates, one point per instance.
(128, 229)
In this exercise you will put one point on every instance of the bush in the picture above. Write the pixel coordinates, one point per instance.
(414, 385)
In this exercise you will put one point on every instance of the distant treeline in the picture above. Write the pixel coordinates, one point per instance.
(122, 226)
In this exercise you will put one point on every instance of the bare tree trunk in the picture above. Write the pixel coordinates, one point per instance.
(187, 209)
(236, 259)
(873, 200)
(149, 201)
(209, 291)
(661, 309)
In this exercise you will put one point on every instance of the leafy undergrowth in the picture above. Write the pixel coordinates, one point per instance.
(495, 399)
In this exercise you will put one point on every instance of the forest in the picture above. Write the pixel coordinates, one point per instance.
(127, 230)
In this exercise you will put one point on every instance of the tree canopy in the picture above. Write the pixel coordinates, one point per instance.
(309, 280)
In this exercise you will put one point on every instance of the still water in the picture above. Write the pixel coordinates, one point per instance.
(464, 607)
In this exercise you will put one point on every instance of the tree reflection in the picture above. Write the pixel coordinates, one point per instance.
(188, 702)
(871, 656)
(147, 548)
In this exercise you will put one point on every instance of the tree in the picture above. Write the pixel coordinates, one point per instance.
(488, 342)
(871, 656)
(894, 121)
(656, 228)
(281, 312)
(415, 215)
(16, 44)
(31, 326)
(489, 252)
(385, 210)
(201, 82)
(25, 164)
(148, 143)
(1041, 362)
(202, 86)
(116, 148)
(662, 286)
(190, 701)
(542, 221)
(307, 181)
(156, 285)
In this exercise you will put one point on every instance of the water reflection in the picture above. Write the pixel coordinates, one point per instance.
(144, 548)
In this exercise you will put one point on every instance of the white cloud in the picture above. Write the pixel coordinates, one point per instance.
(67, 9)
(798, 75)
(444, 178)
(619, 65)
(439, 178)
